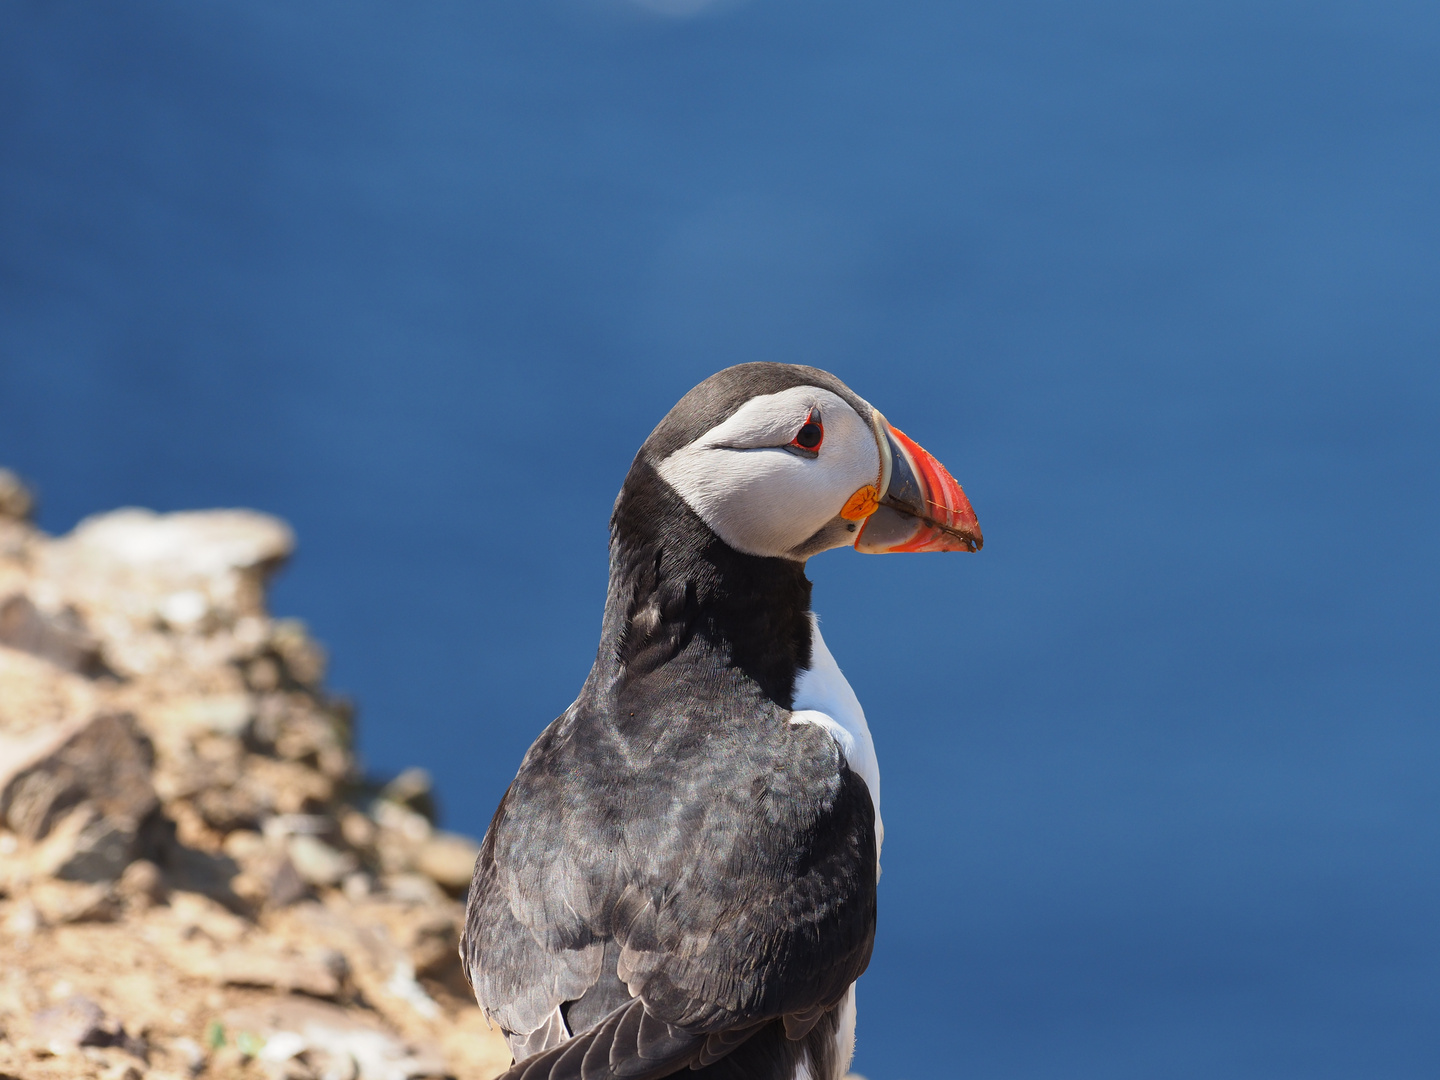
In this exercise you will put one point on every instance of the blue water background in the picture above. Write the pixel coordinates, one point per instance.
(1159, 282)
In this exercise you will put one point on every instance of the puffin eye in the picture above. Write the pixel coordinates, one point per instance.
(811, 434)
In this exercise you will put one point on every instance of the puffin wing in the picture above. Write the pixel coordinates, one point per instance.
(751, 904)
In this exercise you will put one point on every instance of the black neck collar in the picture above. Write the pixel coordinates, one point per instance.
(683, 604)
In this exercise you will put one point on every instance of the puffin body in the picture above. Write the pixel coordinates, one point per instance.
(681, 878)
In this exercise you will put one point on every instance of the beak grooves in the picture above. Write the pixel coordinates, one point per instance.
(922, 507)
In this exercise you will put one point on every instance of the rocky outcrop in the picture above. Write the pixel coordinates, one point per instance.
(196, 878)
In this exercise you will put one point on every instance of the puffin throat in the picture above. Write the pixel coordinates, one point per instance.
(680, 598)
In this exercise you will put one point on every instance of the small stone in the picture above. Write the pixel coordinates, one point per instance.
(185, 609)
(73, 1023)
(293, 824)
(62, 902)
(448, 859)
(23, 921)
(357, 829)
(414, 790)
(357, 886)
(16, 500)
(142, 884)
(327, 1032)
(287, 886)
(243, 845)
(227, 1061)
(412, 889)
(302, 656)
(262, 674)
(102, 763)
(239, 806)
(314, 976)
(59, 638)
(434, 952)
(223, 714)
(86, 846)
(193, 914)
(403, 985)
(399, 818)
(337, 1066)
(282, 1046)
(317, 862)
(122, 1071)
(190, 1052)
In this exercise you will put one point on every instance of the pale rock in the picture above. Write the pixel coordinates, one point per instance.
(229, 715)
(196, 912)
(413, 889)
(292, 1028)
(357, 887)
(357, 829)
(141, 884)
(245, 845)
(448, 859)
(401, 833)
(190, 1052)
(78, 1023)
(62, 902)
(315, 976)
(397, 818)
(66, 1027)
(317, 862)
(184, 609)
(404, 985)
(414, 790)
(16, 500)
(205, 543)
(23, 921)
(36, 699)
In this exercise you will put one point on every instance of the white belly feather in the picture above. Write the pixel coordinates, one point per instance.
(824, 698)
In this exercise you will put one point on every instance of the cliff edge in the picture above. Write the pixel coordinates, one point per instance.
(196, 880)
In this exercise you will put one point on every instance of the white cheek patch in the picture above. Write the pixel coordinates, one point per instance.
(761, 498)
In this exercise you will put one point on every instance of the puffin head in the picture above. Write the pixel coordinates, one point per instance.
(784, 461)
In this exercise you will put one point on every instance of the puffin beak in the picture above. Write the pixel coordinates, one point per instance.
(921, 507)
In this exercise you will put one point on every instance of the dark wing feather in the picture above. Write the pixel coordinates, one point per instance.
(722, 906)
(627, 1045)
(798, 1024)
(757, 1053)
(731, 942)
(519, 981)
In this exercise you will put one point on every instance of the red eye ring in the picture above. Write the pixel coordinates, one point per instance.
(810, 435)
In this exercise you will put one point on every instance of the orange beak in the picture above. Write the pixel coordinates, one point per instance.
(921, 507)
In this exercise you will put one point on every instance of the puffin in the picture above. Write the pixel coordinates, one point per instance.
(681, 879)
